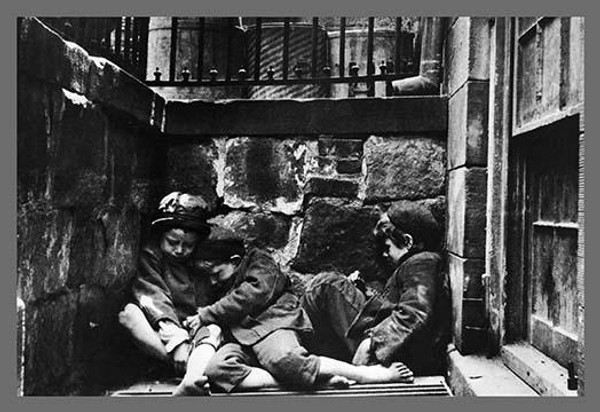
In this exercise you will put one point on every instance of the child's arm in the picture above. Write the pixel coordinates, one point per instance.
(263, 283)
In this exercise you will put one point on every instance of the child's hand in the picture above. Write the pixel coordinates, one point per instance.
(354, 276)
(192, 324)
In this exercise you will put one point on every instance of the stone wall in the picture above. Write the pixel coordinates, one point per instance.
(310, 195)
(467, 86)
(87, 179)
(97, 149)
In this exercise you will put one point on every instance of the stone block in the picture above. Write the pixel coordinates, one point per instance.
(420, 114)
(340, 147)
(49, 345)
(404, 168)
(44, 54)
(467, 52)
(345, 166)
(337, 235)
(95, 327)
(327, 187)
(264, 173)
(114, 87)
(34, 114)
(44, 251)
(78, 150)
(190, 169)
(119, 245)
(467, 212)
(262, 230)
(468, 125)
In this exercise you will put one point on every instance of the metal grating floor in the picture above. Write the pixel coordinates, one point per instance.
(422, 386)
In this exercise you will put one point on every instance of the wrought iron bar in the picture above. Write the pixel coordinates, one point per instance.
(201, 25)
(342, 67)
(173, 54)
(230, 28)
(315, 33)
(127, 43)
(107, 29)
(118, 34)
(258, 36)
(286, 48)
(399, 47)
(144, 47)
(370, 65)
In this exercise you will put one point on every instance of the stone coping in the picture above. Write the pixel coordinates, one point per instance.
(423, 114)
(45, 55)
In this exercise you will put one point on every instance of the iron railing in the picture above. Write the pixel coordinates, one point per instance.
(125, 40)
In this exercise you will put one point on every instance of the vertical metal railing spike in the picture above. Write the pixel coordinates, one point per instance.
(286, 48)
(118, 34)
(127, 43)
(173, 51)
(230, 31)
(201, 27)
(144, 47)
(315, 34)
(399, 47)
(370, 64)
(107, 30)
(258, 48)
(342, 68)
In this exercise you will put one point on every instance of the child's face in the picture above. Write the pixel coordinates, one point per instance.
(220, 272)
(392, 253)
(178, 243)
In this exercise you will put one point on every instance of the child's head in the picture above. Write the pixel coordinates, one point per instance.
(406, 226)
(181, 224)
(220, 255)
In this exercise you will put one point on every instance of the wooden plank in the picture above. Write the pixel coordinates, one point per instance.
(543, 374)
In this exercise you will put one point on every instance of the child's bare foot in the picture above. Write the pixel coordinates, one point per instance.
(197, 388)
(339, 382)
(396, 372)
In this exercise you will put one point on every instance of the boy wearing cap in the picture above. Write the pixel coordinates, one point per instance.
(409, 321)
(264, 325)
(165, 291)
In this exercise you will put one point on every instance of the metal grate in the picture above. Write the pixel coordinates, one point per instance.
(423, 386)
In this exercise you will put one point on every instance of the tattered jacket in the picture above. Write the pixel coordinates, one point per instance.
(410, 320)
(258, 302)
(166, 289)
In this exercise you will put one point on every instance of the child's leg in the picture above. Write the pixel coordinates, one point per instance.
(195, 382)
(133, 319)
(396, 372)
(233, 367)
(332, 303)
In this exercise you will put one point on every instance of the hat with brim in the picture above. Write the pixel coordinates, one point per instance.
(182, 210)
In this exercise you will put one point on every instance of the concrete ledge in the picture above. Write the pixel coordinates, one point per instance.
(44, 55)
(311, 116)
(476, 375)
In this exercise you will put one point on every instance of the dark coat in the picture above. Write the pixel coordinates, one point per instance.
(175, 291)
(257, 303)
(410, 320)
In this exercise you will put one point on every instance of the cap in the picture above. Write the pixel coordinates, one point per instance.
(183, 210)
(415, 219)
